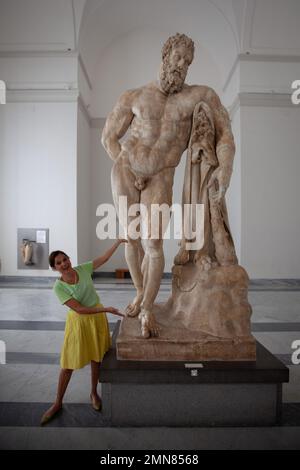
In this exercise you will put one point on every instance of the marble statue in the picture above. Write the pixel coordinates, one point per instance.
(163, 119)
(27, 252)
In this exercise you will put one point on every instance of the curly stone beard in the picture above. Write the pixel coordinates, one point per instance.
(171, 81)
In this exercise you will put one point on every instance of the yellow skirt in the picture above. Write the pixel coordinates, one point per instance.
(86, 339)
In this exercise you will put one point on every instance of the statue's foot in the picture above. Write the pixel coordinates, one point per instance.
(149, 326)
(133, 309)
(182, 257)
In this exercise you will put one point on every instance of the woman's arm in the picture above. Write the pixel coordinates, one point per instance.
(102, 259)
(79, 308)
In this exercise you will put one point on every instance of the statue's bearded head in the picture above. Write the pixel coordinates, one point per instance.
(177, 55)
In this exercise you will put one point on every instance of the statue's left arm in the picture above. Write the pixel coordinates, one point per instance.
(225, 147)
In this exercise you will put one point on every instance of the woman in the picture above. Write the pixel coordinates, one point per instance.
(87, 335)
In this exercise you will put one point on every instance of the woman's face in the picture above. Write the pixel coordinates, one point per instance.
(62, 263)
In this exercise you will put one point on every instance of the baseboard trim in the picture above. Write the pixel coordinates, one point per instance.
(288, 284)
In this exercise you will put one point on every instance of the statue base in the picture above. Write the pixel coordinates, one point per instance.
(207, 318)
(177, 344)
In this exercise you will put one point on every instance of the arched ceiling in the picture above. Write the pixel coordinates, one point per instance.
(271, 27)
(256, 26)
(40, 25)
(211, 23)
(224, 28)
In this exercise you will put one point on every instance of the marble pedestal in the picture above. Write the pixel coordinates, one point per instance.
(179, 344)
(137, 393)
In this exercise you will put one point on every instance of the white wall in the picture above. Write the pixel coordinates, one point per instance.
(84, 192)
(233, 195)
(39, 73)
(101, 194)
(37, 25)
(38, 125)
(268, 74)
(270, 191)
(268, 166)
(37, 177)
(275, 26)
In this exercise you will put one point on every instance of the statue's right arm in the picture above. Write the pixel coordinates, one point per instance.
(117, 123)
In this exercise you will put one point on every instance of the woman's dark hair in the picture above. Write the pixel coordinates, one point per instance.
(53, 255)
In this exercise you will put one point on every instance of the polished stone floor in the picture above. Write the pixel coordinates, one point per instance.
(32, 324)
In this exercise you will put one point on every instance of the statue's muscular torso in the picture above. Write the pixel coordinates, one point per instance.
(160, 128)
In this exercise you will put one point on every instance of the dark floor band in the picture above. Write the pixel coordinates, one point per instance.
(83, 416)
(54, 358)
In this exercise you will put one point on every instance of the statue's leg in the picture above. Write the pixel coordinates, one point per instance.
(134, 254)
(158, 192)
(123, 184)
(153, 268)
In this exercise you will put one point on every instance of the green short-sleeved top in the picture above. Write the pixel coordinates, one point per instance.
(84, 291)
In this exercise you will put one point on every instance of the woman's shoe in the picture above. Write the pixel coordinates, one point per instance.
(49, 415)
(96, 404)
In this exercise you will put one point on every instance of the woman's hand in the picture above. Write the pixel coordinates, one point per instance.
(102, 259)
(114, 311)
